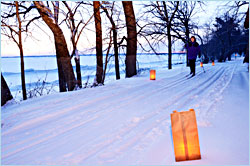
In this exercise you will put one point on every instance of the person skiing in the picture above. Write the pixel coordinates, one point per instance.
(193, 49)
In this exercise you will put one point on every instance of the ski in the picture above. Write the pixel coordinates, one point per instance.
(190, 76)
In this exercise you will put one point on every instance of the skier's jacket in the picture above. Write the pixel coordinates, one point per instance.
(193, 49)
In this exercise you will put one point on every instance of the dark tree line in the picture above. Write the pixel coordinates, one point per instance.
(226, 38)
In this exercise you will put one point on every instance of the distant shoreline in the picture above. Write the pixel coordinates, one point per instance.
(36, 56)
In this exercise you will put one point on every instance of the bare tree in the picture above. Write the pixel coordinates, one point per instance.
(76, 31)
(233, 8)
(65, 69)
(11, 31)
(161, 27)
(130, 61)
(5, 91)
(114, 30)
(98, 27)
(21, 50)
(169, 18)
(107, 59)
(184, 25)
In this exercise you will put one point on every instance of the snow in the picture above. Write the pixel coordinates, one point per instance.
(127, 122)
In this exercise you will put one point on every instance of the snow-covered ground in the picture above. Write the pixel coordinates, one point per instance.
(127, 122)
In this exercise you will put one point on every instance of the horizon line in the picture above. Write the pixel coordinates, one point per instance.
(54, 55)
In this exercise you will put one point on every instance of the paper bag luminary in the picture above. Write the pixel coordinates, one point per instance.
(185, 135)
(152, 75)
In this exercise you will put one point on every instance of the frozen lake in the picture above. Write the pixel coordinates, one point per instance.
(45, 67)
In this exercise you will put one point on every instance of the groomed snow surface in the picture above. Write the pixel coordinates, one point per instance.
(127, 122)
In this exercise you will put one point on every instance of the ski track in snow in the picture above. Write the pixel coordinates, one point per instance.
(111, 124)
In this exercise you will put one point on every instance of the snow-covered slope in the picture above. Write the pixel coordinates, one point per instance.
(127, 122)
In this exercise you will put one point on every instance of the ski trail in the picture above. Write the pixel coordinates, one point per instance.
(68, 110)
(49, 137)
(142, 134)
(109, 142)
(112, 127)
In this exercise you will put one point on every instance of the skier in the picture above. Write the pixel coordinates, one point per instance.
(193, 49)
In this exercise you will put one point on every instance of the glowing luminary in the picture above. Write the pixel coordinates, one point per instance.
(152, 75)
(185, 135)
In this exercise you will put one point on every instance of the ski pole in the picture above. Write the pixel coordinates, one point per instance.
(203, 69)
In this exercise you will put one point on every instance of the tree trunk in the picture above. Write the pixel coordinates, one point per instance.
(169, 49)
(169, 25)
(77, 57)
(246, 22)
(78, 69)
(65, 69)
(187, 37)
(98, 28)
(117, 71)
(66, 73)
(20, 45)
(5, 92)
(230, 45)
(22, 69)
(75, 51)
(130, 61)
(229, 57)
(106, 59)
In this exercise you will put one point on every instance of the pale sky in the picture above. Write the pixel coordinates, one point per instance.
(42, 43)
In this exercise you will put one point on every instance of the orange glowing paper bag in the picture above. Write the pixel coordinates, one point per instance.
(201, 64)
(185, 135)
(152, 75)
